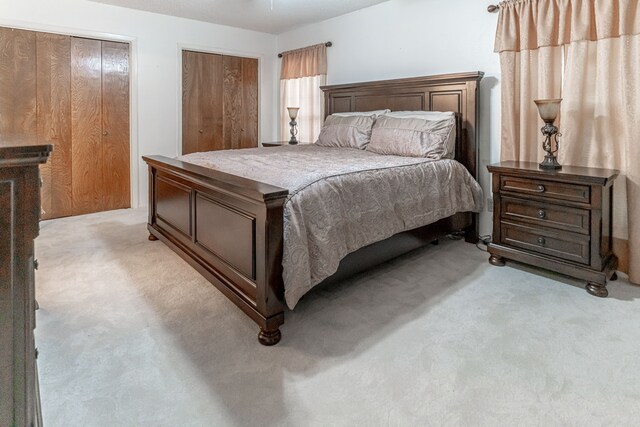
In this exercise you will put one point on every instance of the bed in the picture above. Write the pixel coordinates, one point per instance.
(231, 226)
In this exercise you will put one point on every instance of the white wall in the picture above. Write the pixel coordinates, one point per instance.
(155, 64)
(405, 38)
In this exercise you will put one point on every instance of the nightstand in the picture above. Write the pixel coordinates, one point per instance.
(276, 144)
(558, 220)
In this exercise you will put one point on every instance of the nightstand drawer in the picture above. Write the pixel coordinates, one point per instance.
(546, 189)
(546, 214)
(564, 245)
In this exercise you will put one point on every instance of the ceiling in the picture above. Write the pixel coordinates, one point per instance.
(270, 16)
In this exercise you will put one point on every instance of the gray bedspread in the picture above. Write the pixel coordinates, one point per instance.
(342, 199)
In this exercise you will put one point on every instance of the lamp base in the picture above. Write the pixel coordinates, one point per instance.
(293, 141)
(550, 162)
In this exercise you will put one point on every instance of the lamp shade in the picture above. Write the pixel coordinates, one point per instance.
(548, 108)
(293, 112)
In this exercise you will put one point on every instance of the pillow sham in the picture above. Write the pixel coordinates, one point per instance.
(414, 137)
(427, 115)
(346, 131)
(362, 113)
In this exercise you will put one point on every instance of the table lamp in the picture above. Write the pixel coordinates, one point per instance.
(293, 114)
(549, 109)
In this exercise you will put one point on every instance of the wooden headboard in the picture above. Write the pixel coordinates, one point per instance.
(445, 92)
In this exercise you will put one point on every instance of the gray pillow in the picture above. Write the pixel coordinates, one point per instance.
(414, 137)
(346, 131)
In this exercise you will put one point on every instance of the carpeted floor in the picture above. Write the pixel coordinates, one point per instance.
(130, 335)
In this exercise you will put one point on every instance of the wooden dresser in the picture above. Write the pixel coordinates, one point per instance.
(558, 220)
(19, 218)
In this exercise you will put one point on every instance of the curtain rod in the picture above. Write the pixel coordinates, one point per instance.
(327, 44)
(493, 8)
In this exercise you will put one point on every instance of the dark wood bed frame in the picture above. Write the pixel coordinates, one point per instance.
(229, 228)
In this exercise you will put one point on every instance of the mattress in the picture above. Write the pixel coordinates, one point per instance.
(342, 199)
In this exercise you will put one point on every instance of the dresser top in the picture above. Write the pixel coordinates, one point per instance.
(594, 175)
(22, 154)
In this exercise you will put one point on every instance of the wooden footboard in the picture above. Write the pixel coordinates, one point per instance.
(229, 229)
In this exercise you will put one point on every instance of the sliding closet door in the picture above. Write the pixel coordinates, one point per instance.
(232, 93)
(86, 125)
(240, 115)
(83, 111)
(115, 125)
(202, 125)
(249, 119)
(100, 125)
(54, 122)
(17, 86)
(219, 102)
(72, 93)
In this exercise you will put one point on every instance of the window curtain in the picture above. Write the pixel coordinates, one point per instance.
(302, 73)
(588, 53)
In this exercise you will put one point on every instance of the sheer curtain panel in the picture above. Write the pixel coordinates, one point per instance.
(302, 73)
(588, 53)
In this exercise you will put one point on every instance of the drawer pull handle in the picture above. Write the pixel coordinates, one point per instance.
(36, 264)
(541, 241)
(541, 188)
(541, 214)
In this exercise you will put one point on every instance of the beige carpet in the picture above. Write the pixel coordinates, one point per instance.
(130, 335)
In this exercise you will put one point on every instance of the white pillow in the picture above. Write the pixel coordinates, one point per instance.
(426, 115)
(362, 113)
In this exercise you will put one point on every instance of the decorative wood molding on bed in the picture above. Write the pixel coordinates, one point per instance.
(230, 229)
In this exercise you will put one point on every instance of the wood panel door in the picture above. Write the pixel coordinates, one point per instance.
(240, 92)
(72, 93)
(86, 125)
(100, 125)
(54, 122)
(219, 102)
(115, 126)
(18, 123)
(202, 110)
